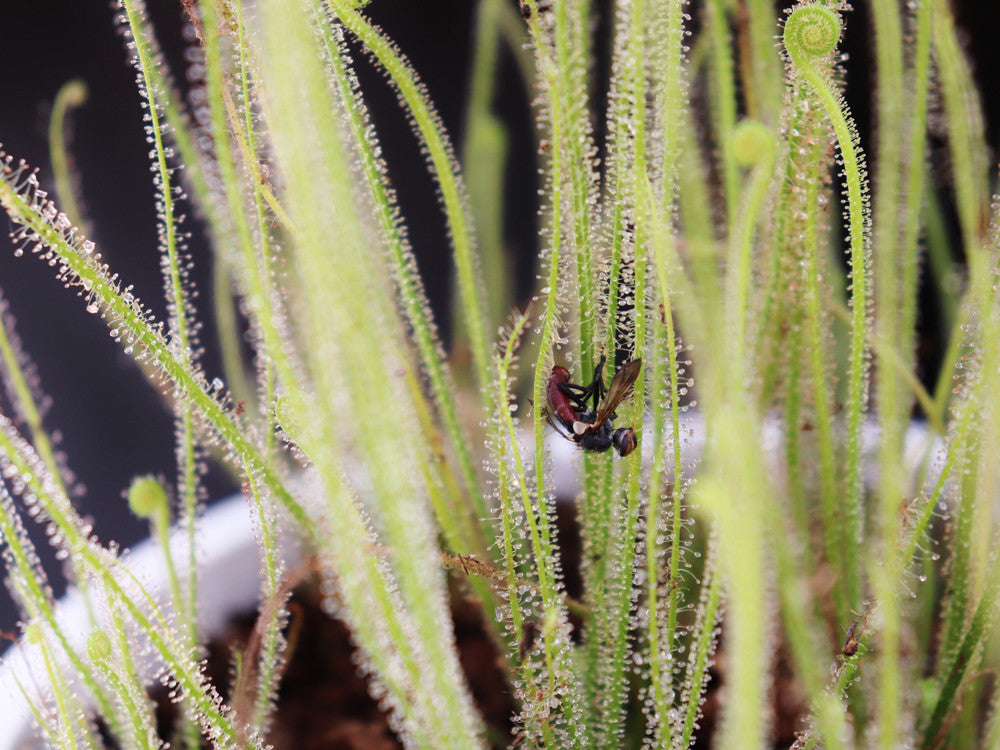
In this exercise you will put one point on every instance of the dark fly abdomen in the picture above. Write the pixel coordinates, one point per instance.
(598, 440)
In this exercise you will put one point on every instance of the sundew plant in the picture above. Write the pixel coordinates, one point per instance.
(707, 207)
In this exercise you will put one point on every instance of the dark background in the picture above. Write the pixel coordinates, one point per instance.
(111, 423)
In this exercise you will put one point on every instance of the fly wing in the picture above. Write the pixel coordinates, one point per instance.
(557, 425)
(618, 391)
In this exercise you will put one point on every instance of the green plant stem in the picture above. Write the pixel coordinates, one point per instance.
(313, 151)
(571, 55)
(559, 169)
(612, 529)
(703, 646)
(737, 473)
(669, 273)
(893, 407)
(180, 134)
(954, 670)
(512, 30)
(960, 433)
(972, 536)
(739, 279)
(966, 142)
(444, 170)
(25, 402)
(808, 66)
(507, 440)
(468, 536)
(821, 401)
(275, 350)
(29, 585)
(180, 309)
(160, 522)
(71, 95)
(798, 499)
(664, 369)
(178, 653)
(915, 172)
(484, 157)
(961, 425)
(724, 100)
(895, 360)
(67, 708)
(663, 243)
(268, 672)
(693, 199)
(141, 336)
(266, 369)
(762, 80)
(564, 67)
(140, 719)
(805, 643)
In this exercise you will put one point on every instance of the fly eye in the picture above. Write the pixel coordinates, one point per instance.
(625, 441)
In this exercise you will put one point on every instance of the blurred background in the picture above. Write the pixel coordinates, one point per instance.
(110, 422)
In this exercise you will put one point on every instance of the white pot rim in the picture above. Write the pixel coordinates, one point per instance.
(226, 539)
(228, 547)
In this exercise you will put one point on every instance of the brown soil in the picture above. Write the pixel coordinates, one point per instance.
(323, 703)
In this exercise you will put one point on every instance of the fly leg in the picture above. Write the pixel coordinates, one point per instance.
(596, 389)
(577, 394)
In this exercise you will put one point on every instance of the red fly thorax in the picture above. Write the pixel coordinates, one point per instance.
(558, 400)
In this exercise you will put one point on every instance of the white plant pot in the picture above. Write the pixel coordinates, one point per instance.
(228, 585)
(229, 582)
